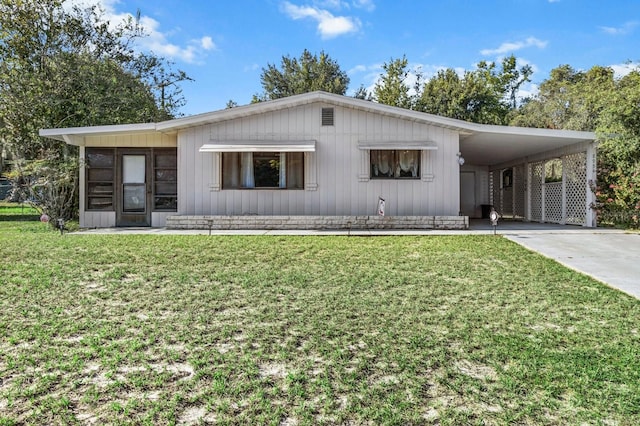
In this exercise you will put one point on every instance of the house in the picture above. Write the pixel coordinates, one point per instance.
(321, 160)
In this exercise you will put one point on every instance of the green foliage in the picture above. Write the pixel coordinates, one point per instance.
(49, 185)
(569, 99)
(68, 67)
(391, 88)
(484, 95)
(302, 75)
(618, 189)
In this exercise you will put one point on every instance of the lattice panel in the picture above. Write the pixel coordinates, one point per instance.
(537, 175)
(519, 187)
(575, 173)
(553, 202)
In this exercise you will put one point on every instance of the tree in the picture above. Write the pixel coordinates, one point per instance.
(442, 95)
(513, 78)
(568, 99)
(70, 67)
(363, 93)
(391, 88)
(486, 94)
(302, 75)
(618, 188)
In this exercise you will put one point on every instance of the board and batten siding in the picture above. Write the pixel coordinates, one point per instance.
(107, 219)
(338, 167)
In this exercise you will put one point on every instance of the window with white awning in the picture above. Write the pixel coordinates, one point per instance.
(260, 146)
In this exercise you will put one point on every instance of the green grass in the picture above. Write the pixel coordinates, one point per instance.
(117, 329)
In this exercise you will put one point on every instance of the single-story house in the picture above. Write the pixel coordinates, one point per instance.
(321, 160)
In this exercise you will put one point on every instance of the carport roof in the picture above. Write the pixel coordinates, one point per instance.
(492, 145)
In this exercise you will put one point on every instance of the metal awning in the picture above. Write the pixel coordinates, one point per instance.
(259, 146)
(409, 145)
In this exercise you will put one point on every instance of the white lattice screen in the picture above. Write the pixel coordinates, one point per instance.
(536, 178)
(575, 169)
(519, 186)
(553, 202)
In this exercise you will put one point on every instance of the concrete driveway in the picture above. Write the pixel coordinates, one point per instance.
(610, 257)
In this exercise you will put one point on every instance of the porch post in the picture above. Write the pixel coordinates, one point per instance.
(592, 176)
(527, 191)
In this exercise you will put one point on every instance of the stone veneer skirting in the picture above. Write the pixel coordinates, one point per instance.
(317, 222)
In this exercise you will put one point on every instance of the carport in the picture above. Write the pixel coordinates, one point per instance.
(537, 175)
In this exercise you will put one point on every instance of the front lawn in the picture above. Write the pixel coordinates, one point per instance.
(99, 329)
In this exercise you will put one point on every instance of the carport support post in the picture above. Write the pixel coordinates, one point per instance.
(592, 177)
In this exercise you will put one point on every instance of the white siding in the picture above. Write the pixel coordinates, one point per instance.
(339, 163)
(138, 140)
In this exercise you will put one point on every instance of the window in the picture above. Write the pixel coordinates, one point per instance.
(100, 175)
(165, 180)
(263, 170)
(395, 164)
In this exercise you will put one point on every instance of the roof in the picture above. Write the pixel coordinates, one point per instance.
(480, 143)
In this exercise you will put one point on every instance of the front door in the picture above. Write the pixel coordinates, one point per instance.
(468, 194)
(134, 188)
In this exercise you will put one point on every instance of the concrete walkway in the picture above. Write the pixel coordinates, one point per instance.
(609, 255)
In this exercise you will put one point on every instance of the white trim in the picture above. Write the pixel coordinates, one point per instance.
(409, 145)
(260, 146)
(60, 134)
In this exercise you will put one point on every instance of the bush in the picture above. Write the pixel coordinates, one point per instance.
(49, 185)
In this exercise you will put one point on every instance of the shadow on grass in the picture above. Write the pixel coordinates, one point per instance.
(19, 218)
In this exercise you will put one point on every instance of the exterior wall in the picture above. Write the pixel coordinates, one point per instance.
(317, 222)
(482, 186)
(159, 219)
(102, 219)
(338, 167)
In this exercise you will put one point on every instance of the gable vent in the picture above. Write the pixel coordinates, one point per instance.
(327, 116)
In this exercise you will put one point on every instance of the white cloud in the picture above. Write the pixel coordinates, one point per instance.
(329, 26)
(252, 67)
(367, 5)
(156, 40)
(620, 70)
(207, 43)
(626, 28)
(513, 46)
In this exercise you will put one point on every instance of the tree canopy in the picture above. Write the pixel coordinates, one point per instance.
(62, 67)
(301, 75)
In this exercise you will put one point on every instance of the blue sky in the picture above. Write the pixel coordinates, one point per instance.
(224, 44)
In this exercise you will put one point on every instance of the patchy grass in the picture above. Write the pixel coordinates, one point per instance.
(137, 329)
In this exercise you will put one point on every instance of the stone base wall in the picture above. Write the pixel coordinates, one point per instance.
(317, 222)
